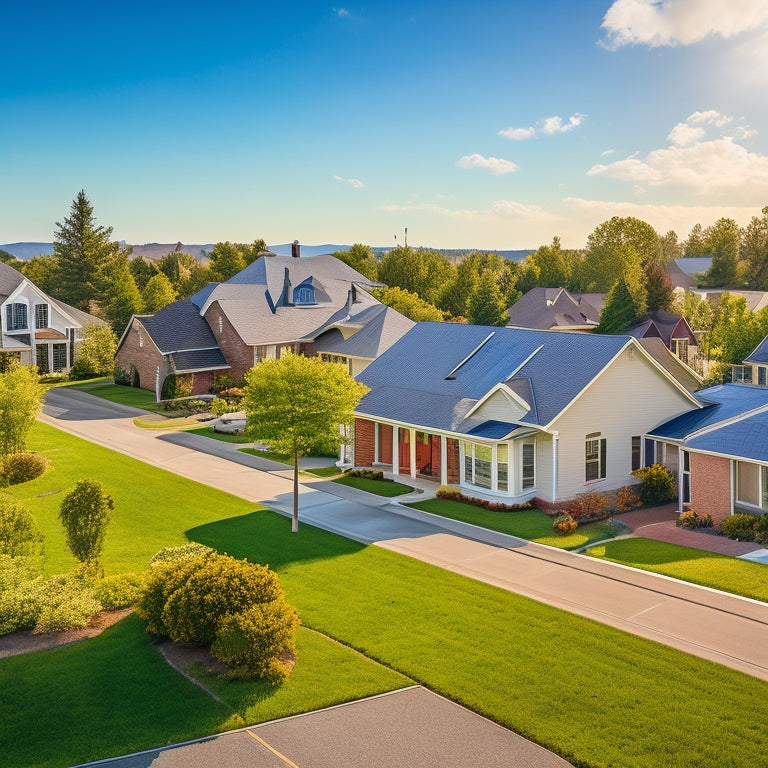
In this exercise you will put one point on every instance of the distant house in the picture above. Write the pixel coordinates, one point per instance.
(512, 414)
(36, 328)
(758, 363)
(672, 329)
(312, 306)
(719, 452)
(547, 309)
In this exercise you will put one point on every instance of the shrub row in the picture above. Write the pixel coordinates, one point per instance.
(691, 519)
(454, 494)
(744, 527)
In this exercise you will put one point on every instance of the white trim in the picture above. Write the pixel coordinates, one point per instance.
(505, 390)
(472, 353)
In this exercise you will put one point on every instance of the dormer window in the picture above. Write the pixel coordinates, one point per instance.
(16, 317)
(304, 294)
(41, 316)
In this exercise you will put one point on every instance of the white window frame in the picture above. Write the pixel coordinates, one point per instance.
(595, 454)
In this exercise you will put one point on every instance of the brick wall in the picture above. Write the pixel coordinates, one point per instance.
(236, 352)
(452, 456)
(201, 382)
(139, 351)
(710, 486)
(365, 433)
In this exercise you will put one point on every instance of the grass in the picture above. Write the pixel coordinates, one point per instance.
(379, 487)
(208, 432)
(597, 696)
(115, 393)
(333, 471)
(706, 568)
(530, 524)
(115, 694)
(281, 458)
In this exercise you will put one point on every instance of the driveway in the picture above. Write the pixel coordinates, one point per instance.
(704, 622)
(411, 727)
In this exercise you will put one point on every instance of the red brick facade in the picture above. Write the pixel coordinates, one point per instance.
(452, 455)
(236, 352)
(137, 350)
(365, 442)
(710, 486)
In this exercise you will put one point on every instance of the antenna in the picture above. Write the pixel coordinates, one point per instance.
(406, 237)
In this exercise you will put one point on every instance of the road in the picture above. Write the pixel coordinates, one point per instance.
(713, 625)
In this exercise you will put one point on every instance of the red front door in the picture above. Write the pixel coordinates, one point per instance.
(385, 443)
(404, 442)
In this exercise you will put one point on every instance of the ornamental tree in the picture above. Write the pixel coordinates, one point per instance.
(85, 512)
(297, 405)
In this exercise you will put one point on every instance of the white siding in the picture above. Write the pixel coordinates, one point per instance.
(500, 407)
(629, 398)
(544, 465)
(357, 365)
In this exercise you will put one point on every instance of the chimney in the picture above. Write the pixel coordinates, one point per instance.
(295, 249)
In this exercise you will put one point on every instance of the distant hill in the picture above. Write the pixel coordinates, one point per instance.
(156, 251)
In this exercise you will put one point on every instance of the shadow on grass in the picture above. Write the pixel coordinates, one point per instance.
(266, 537)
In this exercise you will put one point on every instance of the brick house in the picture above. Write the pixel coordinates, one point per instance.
(311, 306)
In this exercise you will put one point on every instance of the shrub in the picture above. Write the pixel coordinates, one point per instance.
(23, 467)
(740, 526)
(219, 406)
(64, 602)
(452, 493)
(20, 535)
(231, 393)
(564, 524)
(222, 382)
(121, 376)
(84, 513)
(588, 506)
(253, 641)
(367, 474)
(691, 519)
(95, 352)
(182, 552)
(657, 484)
(19, 605)
(219, 586)
(177, 385)
(119, 591)
(627, 499)
(761, 530)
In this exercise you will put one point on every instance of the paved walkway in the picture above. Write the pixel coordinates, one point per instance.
(704, 622)
(410, 727)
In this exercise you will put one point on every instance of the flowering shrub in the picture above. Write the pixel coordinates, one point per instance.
(588, 506)
(691, 519)
(23, 467)
(627, 499)
(564, 524)
(452, 493)
(740, 527)
(657, 486)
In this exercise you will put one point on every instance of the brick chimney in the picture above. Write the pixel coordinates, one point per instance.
(295, 249)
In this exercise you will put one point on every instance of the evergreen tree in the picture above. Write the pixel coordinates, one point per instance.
(142, 271)
(487, 305)
(553, 268)
(619, 312)
(722, 241)
(694, 246)
(158, 293)
(658, 286)
(755, 251)
(121, 296)
(83, 250)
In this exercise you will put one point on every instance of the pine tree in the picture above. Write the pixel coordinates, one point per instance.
(83, 250)
(619, 312)
(486, 305)
(121, 297)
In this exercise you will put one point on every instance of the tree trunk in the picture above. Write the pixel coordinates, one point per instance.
(295, 522)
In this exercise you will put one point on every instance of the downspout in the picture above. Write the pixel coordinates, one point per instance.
(733, 484)
(157, 385)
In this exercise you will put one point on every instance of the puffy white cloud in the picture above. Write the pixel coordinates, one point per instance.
(555, 124)
(680, 22)
(519, 134)
(496, 165)
(356, 183)
(341, 12)
(683, 134)
(709, 117)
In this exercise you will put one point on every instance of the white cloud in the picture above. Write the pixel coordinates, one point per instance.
(555, 124)
(715, 165)
(607, 152)
(680, 22)
(500, 209)
(519, 134)
(341, 12)
(356, 183)
(496, 165)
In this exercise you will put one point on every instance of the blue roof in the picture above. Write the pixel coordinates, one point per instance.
(725, 401)
(745, 439)
(494, 430)
(760, 353)
(410, 382)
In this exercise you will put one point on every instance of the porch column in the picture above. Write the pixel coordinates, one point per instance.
(554, 465)
(443, 460)
(412, 449)
(680, 466)
(395, 450)
(376, 442)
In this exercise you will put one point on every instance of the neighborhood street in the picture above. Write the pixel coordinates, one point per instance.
(704, 622)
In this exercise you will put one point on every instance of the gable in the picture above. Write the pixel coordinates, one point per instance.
(500, 406)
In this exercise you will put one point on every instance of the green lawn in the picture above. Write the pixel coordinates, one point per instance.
(531, 524)
(115, 393)
(115, 694)
(332, 471)
(707, 568)
(208, 432)
(596, 695)
(379, 487)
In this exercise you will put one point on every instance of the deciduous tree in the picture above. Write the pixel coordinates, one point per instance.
(95, 352)
(297, 405)
(85, 513)
(408, 304)
(120, 297)
(44, 272)
(755, 251)
(722, 241)
(423, 272)
(360, 258)
(487, 305)
(158, 293)
(21, 398)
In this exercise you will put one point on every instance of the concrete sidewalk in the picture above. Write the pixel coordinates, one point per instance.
(707, 623)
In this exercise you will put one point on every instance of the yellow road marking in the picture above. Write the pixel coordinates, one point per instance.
(273, 750)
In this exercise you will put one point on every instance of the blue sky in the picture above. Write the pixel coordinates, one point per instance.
(487, 125)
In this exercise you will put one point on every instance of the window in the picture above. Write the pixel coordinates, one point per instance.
(636, 452)
(502, 467)
(41, 357)
(680, 348)
(528, 470)
(761, 369)
(595, 457)
(59, 357)
(334, 358)
(304, 294)
(686, 478)
(748, 477)
(16, 317)
(41, 316)
(483, 454)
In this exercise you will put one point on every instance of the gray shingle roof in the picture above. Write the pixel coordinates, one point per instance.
(545, 308)
(10, 279)
(198, 360)
(656, 348)
(411, 378)
(179, 326)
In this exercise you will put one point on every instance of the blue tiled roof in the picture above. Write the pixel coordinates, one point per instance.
(760, 353)
(179, 326)
(494, 430)
(558, 367)
(745, 439)
(725, 401)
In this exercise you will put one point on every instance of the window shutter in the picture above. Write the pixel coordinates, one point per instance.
(603, 472)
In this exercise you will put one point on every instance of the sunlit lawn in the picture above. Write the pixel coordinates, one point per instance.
(116, 393)
(531, 524)
(379, 487)
(706, 568)
(208, 432)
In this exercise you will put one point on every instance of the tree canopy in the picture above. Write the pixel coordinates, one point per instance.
(408, 304)
(296, 405)
(361, 258)
(227, 259)
(21, 398)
